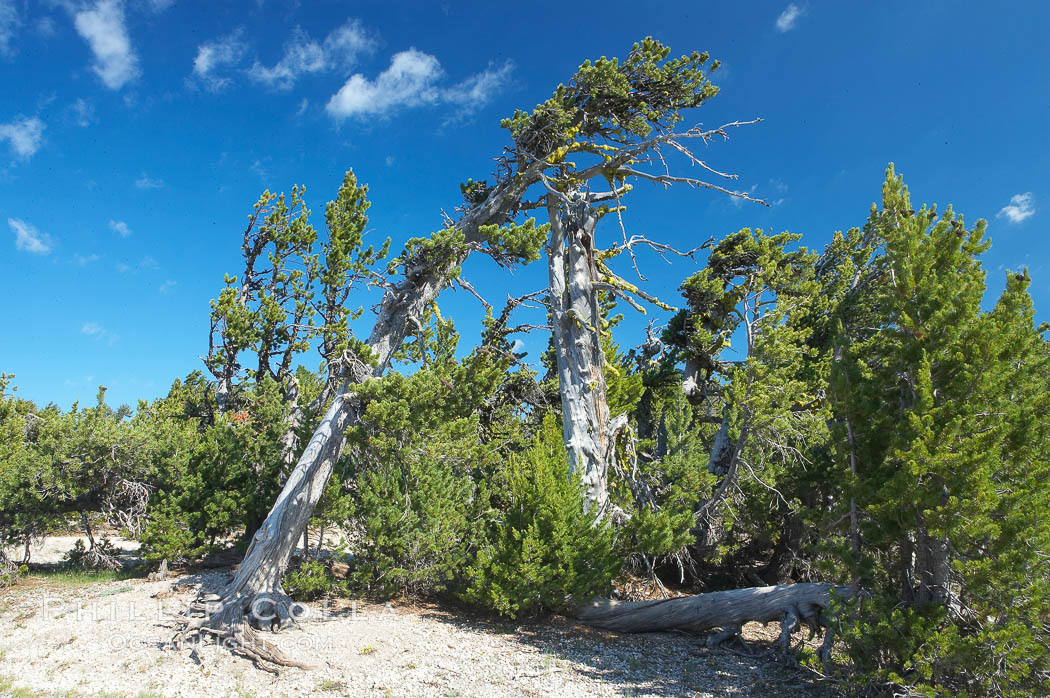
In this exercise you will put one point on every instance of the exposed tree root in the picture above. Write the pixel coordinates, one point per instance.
(99, 558)
(254, 599)
(791, 604)
(234, 621)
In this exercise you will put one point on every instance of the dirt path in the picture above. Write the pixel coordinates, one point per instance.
(111, 637)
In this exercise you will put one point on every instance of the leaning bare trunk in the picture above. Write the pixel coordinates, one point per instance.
(273, 544)
(577, 346)
(255, 595)
(791, 604)
(87, 530)
(254, 598)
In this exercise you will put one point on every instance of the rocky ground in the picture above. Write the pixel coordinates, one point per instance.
(71, 636)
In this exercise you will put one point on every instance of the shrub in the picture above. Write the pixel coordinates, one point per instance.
(420, 473)
(227, 483)
(309, 581)
(102, 555)
(544, 552)
(415, 507)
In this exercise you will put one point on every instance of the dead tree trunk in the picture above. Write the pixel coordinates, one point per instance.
(576, 323)
(254, 599)
(932, 566)
(791, 604)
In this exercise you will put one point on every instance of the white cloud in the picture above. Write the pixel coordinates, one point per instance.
(344, 45)
(258, 168)
(159, 5)
(82, 260)
(167, 287)
(29, 239)
(409, 81)
(779, 190)
(304, 55)
(478, 90)
(148, 262)
(99, 333)
(103, 28)
(45, 27)
(216, 55)
(1021, 206)
(10, 23)
(789, 18)
(146, 182)
(25, 134)
(83, 112)
(120, 227)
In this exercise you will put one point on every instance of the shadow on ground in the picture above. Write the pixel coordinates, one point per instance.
(665, 664)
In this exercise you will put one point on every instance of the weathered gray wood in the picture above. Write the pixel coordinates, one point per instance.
(727, 610)
(576, 325)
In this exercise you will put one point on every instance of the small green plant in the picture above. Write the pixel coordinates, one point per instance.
(119, 590)
(546, 552)
(64, 577)
(311, 580)
(367, 649)
(101, 556)
(330, 686)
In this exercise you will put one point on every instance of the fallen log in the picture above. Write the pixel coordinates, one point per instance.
(791, 604)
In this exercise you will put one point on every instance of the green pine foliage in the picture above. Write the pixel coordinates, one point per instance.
(543, 551)
(310, 580)
(747, 333)
(225, 486)
(417, 472)
(946, 402)
(58, 467)
(680, 478)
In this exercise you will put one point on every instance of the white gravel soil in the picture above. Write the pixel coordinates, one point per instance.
(112, 638)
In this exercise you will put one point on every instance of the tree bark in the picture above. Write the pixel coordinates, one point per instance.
(728, 610)
(576, 324)
(931, 567)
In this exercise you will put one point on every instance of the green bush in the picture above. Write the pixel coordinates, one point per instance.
(419, 472)
(228, 482)
(414, 512)
(544, 552)
(309, 581)
(951, 448)
(678, 481)
(101, 556)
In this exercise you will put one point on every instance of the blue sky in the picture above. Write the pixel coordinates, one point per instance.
(136, 135)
